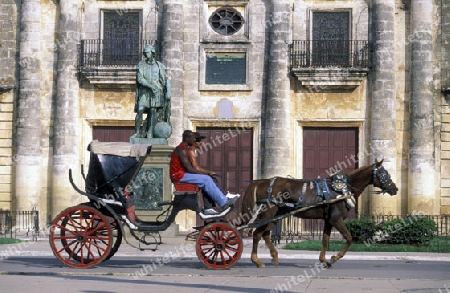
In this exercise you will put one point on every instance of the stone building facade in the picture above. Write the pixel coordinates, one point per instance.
(277, 67)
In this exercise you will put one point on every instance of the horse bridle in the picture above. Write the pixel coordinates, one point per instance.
(384, 178)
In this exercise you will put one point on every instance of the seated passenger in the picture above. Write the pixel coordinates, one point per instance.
(182, 171)
(208, 203)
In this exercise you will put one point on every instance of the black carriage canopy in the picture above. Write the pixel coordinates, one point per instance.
(112, 166)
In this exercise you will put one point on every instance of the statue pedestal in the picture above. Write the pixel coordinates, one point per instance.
(152, 141)
(152, 184)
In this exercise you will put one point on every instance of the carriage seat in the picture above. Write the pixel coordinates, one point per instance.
(193, 189)
(186, 188)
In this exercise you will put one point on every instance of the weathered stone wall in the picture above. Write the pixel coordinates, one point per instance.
(382, 96)
(276, 106)
(27, 127)
(444, 137)
(49, 53)
(422, 170)
(8, 62)
(8, 23)
(402, 97)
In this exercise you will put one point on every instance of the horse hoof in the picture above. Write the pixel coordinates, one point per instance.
(261, 266)
(333, 259)
(328, 265)
(275, 263)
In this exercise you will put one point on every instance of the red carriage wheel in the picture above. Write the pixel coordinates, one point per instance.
(81, 237)
(116, 233)
(219, 246)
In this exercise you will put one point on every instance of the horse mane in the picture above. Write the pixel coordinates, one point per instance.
(361, 169)
(359, 180)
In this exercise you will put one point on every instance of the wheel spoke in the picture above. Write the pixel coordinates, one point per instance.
(89, 236)
(219, 246)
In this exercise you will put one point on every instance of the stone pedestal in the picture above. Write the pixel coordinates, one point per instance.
(152, 184)
(152, 141)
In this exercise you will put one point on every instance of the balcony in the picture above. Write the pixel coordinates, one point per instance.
(331, 65)
(111, 63)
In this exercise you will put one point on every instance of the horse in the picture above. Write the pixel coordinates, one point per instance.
(267, 198)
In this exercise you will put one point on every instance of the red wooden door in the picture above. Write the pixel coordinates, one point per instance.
(228, 152)
(113, 133)
(326, 150)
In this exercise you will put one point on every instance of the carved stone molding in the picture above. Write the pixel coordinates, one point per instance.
(330, 79)
(110, 77)
(5, 88)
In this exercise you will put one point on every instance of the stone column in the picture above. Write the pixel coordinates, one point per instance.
(383, 115)
(27, 156)
(276, 160)
(65, 124)
(171, 57)
(422, 186)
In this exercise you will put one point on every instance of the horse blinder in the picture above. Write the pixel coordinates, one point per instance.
(387, 186)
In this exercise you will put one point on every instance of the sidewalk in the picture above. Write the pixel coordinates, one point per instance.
(178, 244)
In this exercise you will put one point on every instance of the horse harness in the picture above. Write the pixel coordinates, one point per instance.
(339, 185)
(383, 176)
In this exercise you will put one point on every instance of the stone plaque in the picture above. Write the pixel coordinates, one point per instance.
(225, 68)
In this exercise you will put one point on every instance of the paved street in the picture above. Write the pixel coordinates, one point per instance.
(174, 267)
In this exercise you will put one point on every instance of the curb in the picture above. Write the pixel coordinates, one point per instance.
(178, 245)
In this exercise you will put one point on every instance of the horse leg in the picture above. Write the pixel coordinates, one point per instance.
(339, 224)
(325, 241)
(269, 244)
(257, 234)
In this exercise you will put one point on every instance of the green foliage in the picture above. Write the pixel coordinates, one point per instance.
(414, 229)
(414, 233)
(361, 229)
(9, 240)
(436, 245)
(410, 230)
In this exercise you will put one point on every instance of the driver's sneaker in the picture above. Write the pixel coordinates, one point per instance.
(230, 195)
(230, 202)
(213, 214)
(210, 212)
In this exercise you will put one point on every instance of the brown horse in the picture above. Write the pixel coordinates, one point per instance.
(267, 198)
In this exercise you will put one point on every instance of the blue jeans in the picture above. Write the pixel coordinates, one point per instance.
(206, 183)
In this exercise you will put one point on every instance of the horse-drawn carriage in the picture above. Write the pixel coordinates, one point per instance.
(89, 233)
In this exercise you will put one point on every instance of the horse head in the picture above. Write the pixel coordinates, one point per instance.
(382, 179)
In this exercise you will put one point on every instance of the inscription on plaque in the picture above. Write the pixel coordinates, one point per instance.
(225, 68)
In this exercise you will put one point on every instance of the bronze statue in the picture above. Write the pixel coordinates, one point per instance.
(152, 94)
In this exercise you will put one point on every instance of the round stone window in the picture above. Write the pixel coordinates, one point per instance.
(226, 21)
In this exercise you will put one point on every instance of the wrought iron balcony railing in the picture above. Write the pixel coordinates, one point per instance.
(329, 53)
(112, 53)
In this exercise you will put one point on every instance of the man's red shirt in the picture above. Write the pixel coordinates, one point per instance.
(177, 170)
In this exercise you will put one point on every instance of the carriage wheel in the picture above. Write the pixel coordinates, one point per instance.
(219, 246)
(81, 237)
(116, 233)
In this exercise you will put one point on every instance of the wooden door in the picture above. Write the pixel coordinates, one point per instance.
(326, 150)
(113, 133)
(228, 152)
